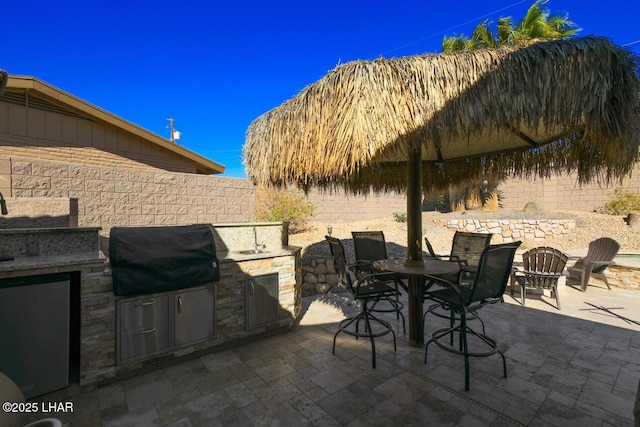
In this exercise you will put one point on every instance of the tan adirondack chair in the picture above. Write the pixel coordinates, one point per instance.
(542, 267)
(599, 256)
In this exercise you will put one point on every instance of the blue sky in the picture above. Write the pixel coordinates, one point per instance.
(216, 66)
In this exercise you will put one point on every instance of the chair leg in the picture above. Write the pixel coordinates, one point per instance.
(373, 343)
(340, 329)
(512, 282)
(465, 349)
(554, 289)
(584, 279)
(523, 293)
(606, 282)
(367, 317)
(464, 330)
(452, 321)
(426, 348)
(477, 316)
(398, 302)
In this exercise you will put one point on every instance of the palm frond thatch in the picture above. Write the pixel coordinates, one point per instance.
(550, 107)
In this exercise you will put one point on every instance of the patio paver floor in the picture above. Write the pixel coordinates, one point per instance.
(578, 366)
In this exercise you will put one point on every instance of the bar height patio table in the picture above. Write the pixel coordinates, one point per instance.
(415, 272)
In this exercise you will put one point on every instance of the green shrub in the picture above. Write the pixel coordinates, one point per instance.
(400, 217)
(284, 205)
(622, 202)
(436, 202)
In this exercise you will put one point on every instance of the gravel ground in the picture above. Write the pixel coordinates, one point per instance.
(589, 226)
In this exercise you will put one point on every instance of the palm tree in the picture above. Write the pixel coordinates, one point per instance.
(538, 24)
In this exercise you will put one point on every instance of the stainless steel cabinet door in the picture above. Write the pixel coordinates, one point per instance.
(194, 315)
(261, 302)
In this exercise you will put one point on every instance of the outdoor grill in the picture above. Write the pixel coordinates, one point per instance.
(156, 259)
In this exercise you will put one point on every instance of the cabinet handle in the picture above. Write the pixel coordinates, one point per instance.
(146, 303)
(146, 331)
(179, 304)
(252, 288)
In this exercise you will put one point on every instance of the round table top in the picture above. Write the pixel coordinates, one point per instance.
(435, 267)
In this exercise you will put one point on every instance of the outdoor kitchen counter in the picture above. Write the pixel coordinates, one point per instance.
(239, 256)
(45, 264)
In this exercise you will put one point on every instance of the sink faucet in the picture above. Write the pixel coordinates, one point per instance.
(256, 245)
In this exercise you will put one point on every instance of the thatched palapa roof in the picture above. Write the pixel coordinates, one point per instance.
(574, 101)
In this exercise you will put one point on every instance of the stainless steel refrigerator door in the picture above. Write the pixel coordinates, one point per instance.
(34, 333)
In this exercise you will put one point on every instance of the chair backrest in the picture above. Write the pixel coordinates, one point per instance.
(543, 259)
(494, 269)
(469, 246)
(369, 245)
(340, 262)
(602, 249)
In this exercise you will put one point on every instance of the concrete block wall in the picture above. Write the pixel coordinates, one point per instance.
(38, 212)
(564, 192)
(339, 207)
(109, 197)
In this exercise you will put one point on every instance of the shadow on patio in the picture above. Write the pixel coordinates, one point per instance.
(564, 368)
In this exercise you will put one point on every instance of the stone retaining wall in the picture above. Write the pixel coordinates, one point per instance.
(318, 275)
(623, 276)
(511, 230)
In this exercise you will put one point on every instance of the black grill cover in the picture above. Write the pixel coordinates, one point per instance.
(156, 259)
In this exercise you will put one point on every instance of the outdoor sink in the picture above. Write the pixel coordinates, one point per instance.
(253, 251)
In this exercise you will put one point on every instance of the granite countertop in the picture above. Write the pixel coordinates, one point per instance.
(70, 230)
(50, 261)
(61, 262)
(248, 255)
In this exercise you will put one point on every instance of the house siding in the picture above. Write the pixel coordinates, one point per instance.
(30, 133)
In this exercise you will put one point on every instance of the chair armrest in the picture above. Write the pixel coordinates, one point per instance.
(575, 269)
(579, 262)
(589, 266)
(601, 263)
(456, 258)
(361, 267)
(448, 284)
(542, 274)
(385, 277)
(360, 264)
(469, 268)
